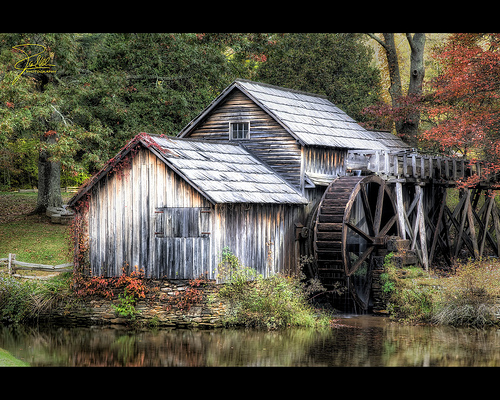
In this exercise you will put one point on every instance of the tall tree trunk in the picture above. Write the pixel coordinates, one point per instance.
(407, 127)
(49, 180)
(417, 74)
(395, 90)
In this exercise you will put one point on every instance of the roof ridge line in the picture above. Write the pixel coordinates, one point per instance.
(284, 89)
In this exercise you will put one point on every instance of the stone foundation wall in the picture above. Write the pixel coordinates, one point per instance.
(161, 307)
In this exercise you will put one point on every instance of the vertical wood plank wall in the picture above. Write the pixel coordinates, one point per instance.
(122, 214)
(325, 160)
(262, 236)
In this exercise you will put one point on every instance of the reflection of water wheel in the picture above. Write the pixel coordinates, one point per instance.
(354, 218)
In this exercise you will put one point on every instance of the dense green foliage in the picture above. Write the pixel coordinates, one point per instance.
(337, 65)
(409, 293)
(24, 300)
(107, 87)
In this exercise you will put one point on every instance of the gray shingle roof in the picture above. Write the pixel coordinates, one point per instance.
(313, 119)
(226, 173)
(392, 142)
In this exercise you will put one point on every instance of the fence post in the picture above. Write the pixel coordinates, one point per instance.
(12, 258)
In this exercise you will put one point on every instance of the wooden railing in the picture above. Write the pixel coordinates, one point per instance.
(410, 165)
(13, 265)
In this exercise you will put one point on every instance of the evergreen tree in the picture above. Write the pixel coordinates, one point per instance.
(337, 65)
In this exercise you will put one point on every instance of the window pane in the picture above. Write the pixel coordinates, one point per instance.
(239, 130)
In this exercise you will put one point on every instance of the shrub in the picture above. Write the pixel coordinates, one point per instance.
(133, 282)
(22, 300)
(126, 305)
(15, 299)
(470, 297)
(409, 292)
(274, 302)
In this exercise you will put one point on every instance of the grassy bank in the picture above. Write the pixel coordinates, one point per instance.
(23, 300)
(31, 237)
(468, 297)
(8, 360)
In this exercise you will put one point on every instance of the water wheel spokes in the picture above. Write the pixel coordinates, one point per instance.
(354, 219)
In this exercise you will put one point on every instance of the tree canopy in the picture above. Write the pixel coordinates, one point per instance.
(337, 65)
(463, 103)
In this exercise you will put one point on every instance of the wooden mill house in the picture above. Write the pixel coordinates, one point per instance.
(244, 174)
(263, 171)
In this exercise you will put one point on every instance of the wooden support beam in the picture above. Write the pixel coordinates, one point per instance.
(467, 215)
(437, 230)
(485, 228)
(483, 219)
(466, 196)
(496, 223)
(472, 230)
(400, 208)
(422, 232)
(415, 224)
(456, 224)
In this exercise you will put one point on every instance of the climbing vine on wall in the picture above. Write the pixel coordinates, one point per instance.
(86, 284)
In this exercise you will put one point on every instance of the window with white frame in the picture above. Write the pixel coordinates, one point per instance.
(239, 130)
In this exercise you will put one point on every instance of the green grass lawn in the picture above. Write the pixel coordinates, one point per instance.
(8, 360)
(33, 238)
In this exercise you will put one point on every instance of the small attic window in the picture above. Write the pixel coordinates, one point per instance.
(239, 130)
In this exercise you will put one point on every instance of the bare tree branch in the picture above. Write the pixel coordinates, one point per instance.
(377, 40)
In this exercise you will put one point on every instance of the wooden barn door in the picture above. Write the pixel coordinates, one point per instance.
(182, 242)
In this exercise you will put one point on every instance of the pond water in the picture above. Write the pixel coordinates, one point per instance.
(355, 341)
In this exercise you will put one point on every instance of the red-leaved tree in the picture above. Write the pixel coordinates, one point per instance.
(460, 108)
(463, 103)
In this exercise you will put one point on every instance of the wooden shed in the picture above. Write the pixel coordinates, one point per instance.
(169, 206)
(249, 173)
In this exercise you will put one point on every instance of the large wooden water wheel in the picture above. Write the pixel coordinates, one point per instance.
(353, 220)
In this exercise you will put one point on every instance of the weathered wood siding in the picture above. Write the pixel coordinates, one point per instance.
(328, 161)
(122, 218)
(322, 165)
(148, 216)
(268, 140)
(262, 236)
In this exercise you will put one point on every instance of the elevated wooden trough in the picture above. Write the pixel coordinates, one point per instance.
(414, 167)
(420, 186)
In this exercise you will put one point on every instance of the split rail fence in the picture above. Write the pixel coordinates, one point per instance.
(13, 265)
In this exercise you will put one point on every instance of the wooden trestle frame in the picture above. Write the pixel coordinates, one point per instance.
(470, 229)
